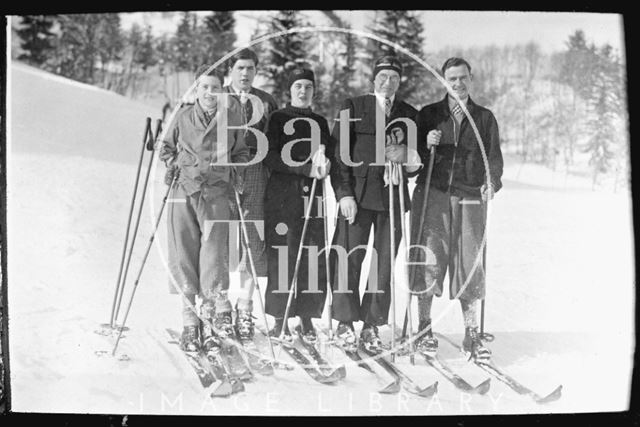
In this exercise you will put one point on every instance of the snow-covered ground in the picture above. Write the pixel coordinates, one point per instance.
(560, 298)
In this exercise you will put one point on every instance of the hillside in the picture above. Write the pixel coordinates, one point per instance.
(560, 297)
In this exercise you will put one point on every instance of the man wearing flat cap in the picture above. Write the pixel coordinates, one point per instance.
(361, 186)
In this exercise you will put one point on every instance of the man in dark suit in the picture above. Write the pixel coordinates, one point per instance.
(455, 217)
(361, 186)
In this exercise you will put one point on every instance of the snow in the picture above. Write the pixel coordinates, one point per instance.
(560, 299)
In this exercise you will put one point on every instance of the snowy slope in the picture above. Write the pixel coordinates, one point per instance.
(560, 299)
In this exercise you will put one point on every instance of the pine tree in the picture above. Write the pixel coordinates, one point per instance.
(36, 38)
(110, 45)
(77, 47)
(146, 54)
(337, 76)
(218, 35)
(604, 101)
(578, 63)
(404, 28)
(184, 43)
(284, 53)
(576, 70)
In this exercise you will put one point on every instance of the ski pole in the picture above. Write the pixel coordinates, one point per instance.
(423, 211)
(484, 335)
(144, 260)
(392, 252)
(294, 280)
(147, 129)
(327, 247)
(149, 146)
(254, 275)
(405, 234)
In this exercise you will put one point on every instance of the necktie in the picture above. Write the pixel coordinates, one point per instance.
(247, 109)
(458, 113)
(208, 115)
(387, 107)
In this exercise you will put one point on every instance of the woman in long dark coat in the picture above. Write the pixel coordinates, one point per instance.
(288, 188)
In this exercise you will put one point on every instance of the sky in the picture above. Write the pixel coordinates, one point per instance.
(451, 28)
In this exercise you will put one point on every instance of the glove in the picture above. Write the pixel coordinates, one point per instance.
(392, 173)
(487, 192)
(173, 171)
(237, 180)
(320, 165)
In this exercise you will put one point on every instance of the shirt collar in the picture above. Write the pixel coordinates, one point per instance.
(236, 90)
(452, 101)
(380, 98)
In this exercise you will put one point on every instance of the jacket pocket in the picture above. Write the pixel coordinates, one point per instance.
(187, 159)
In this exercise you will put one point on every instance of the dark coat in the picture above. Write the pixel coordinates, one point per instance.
(287, 188)
(365, 182)
(458, 166)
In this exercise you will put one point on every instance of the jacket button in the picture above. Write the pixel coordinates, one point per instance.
(305, 189)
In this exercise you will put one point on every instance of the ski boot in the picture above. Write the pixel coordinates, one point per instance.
(190, 339)
(370, 340)
(209, 339)
(223, 324)
(245, 328)
(473, 346)
(307, 331)
(346, 337)
(287, 339)
(427, 344)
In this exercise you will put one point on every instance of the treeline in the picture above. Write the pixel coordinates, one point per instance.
(566, 109)
(94, 49)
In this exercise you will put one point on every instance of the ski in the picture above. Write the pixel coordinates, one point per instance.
(404, 379)
(205, 376)
(490, 367)
(314, 372)
(322, 363)
(220, 364)
(392, 388)
(211, 365)
(456, 379)
(235, 359)
(499, 374)
(257, 362)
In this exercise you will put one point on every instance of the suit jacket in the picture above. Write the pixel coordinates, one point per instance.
(458, 166)
(269, 105)
(365, 182)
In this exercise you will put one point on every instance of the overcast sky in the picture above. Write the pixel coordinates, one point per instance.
(453, 28)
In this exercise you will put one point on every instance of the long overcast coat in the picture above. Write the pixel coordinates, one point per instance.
(287, 189)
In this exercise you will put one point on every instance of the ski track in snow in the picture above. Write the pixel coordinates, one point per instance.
(559, 301)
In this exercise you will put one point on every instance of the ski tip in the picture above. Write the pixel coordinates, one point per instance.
(366, 367)
(225, 389)
(551, 397)
(483, 387)
(392, 388)
(429, 391)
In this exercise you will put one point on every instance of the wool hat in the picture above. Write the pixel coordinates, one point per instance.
(387, 62)
(301, 74)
